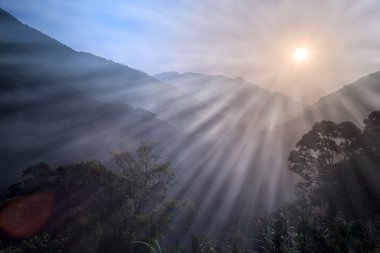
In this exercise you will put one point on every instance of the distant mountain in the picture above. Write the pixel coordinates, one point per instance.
(246, 149)
(64, 125)
(60, 105)
(107, 81)
(168, 76)
(44, 114)
(253, 105)
(353, 102)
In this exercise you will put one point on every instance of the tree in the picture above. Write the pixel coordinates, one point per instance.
(338, 164)
(146, 176)
(38, 177)
(42, 243)
(143, 181)
(98, 210)
(320, 150)
(372, 132)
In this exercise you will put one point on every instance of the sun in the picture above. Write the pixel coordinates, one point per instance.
(301, 54)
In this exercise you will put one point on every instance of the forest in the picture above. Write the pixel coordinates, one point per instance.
(86, 207)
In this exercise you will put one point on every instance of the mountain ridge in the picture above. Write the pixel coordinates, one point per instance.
(101, 78)
(208, 145)
(239, 94)
(47, 117)
(88, 100)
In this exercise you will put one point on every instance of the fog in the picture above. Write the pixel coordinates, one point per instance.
(228, 138)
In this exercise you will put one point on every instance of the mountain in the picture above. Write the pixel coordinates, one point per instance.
(61, 106)
(351, 102)
(250, 179)
(107, 81)
(235, 97)
(228, 137)
(64, 125)
(354, 102)
(46, 116)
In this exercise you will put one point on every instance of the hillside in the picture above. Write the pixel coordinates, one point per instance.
(62, 106)
(352, 103)
(254, 105)
(24, 47)
(44, 114)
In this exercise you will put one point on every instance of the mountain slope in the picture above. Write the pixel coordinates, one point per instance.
(351, 102)
(354, 102)
(35, 52)
(235, 97)
(64, 125)
(46, 117)
(61, 106)
(241, 142)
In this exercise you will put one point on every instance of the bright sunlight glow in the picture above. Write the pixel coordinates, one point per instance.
(301, 54)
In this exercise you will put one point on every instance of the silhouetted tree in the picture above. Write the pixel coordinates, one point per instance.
(322, 147)
(372, 133)
(334, 161)
(97, 210)
(146, 176)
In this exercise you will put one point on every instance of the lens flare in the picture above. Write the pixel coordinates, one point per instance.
(26, 216)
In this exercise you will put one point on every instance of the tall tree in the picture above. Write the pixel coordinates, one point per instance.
(323, 146)
(146, 176)
(338, 164)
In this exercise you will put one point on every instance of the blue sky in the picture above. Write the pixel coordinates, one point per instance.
(131, 32)
(251, 39)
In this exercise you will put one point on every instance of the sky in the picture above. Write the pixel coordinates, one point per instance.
(255, 40)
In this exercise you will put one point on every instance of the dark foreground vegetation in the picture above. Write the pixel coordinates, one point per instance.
(86, 207)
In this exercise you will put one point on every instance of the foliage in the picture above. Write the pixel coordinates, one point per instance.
(145, 177)
(339, 164)
(153, 246)
(43, 243)
(322, 147)
(338, 206)
(201, 244)
(97, 210)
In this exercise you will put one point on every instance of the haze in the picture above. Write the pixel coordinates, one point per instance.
(189, 126)
(257, 37)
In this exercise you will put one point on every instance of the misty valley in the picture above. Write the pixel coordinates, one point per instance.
(96, 156)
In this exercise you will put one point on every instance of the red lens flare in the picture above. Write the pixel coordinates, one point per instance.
(26, 215)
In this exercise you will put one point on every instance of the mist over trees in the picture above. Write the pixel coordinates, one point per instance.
(230, 146)
(97, 210)
(129, 210)
(339, 165)
(338, 203)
